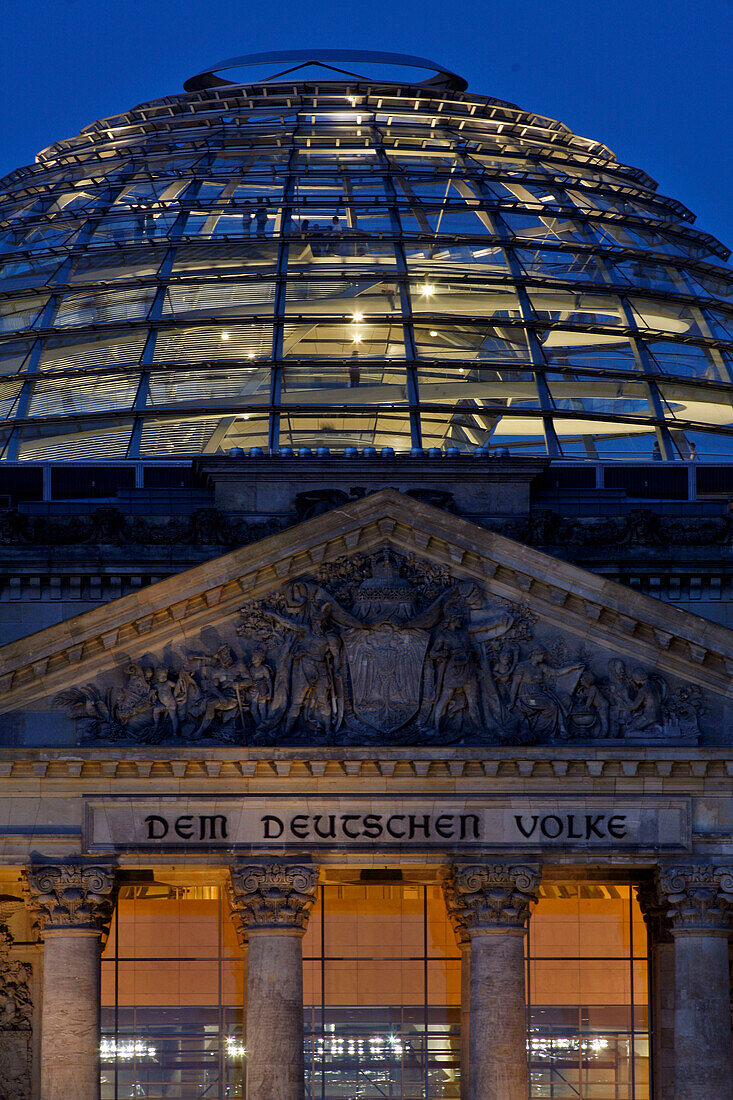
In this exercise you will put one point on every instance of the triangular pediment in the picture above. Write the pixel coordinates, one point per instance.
(387, 599)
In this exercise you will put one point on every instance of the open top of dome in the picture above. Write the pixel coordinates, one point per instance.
(337, 65)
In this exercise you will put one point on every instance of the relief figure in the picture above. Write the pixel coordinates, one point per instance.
(261, 690)
(646, 709)
(218, 689)
(306, 687)
(383, 648)
(542, 694)
(455, 679)
(590, 712)
(620, 697)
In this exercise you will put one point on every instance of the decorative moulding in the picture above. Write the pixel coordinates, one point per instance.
(411, 766)
(580, 604)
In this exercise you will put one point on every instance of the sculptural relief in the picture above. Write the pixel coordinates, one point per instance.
(111, 527)
(16, 1006)
(384, 648)
(209, 527)
(16, 1021)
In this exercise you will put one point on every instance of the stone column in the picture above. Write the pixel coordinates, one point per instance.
(72, 906)
(493, 902)
(275, 900)
(661, 989)
(699, 899)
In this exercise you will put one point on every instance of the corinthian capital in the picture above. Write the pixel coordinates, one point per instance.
(698, 897)
(277, 896)
(654, 909)
(238, 915)
(64, 895)
(455, 909)
(490, 896)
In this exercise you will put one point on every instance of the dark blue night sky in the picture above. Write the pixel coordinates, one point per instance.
(649, 79)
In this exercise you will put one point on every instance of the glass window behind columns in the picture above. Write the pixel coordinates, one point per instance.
(382, 995)
(382, 992)
(587, 993)
(172, 996)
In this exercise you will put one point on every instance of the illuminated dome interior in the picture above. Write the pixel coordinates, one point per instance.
(321, 258)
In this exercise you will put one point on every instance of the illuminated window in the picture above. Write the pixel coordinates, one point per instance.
(587, 993)
(256, 225)
(172, 996)
(382, 979)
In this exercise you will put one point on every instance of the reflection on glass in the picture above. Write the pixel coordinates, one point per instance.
(172, 996)
(347, 429)
(307, 225)
(381, 975)
(382, 995)
(587, 993)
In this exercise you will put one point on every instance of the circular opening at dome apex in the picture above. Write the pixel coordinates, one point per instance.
(326, 65)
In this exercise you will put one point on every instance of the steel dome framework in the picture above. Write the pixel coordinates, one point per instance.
(336, 261)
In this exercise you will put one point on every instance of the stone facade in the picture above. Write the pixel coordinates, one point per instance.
(16, 1022)
(385, 686)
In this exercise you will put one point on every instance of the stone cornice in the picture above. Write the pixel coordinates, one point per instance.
(570, 599)
(218, 470)
(201, 766)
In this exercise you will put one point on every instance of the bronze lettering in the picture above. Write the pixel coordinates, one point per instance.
(464, 820)
(299, 826)
(427, 827)
(390, 830)
(617, 826)
(155, 822)
(520, 825)
(208, 823)
(331, 834)
(345, 819)
(184, 826)
(444, 826)
(571, 825)
(373, 826)
(544, 826)
(270, 821)
(415, 825)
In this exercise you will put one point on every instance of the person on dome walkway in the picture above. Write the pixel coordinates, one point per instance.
(261, 218)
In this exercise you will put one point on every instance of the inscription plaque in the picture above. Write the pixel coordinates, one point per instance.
(254, 823)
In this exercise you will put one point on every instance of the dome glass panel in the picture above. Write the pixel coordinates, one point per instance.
(323, 258)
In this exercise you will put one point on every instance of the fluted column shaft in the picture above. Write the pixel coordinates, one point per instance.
(273, 903)
(72, 906)
(492, 903)
(699, 899)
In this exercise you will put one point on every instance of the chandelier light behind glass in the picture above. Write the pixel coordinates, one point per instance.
(324, 260)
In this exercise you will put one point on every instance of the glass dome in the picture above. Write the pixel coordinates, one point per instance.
(325, 259)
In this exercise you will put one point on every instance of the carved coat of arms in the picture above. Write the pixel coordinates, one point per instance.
(384, 650)
(385, 666)
(383, 647)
